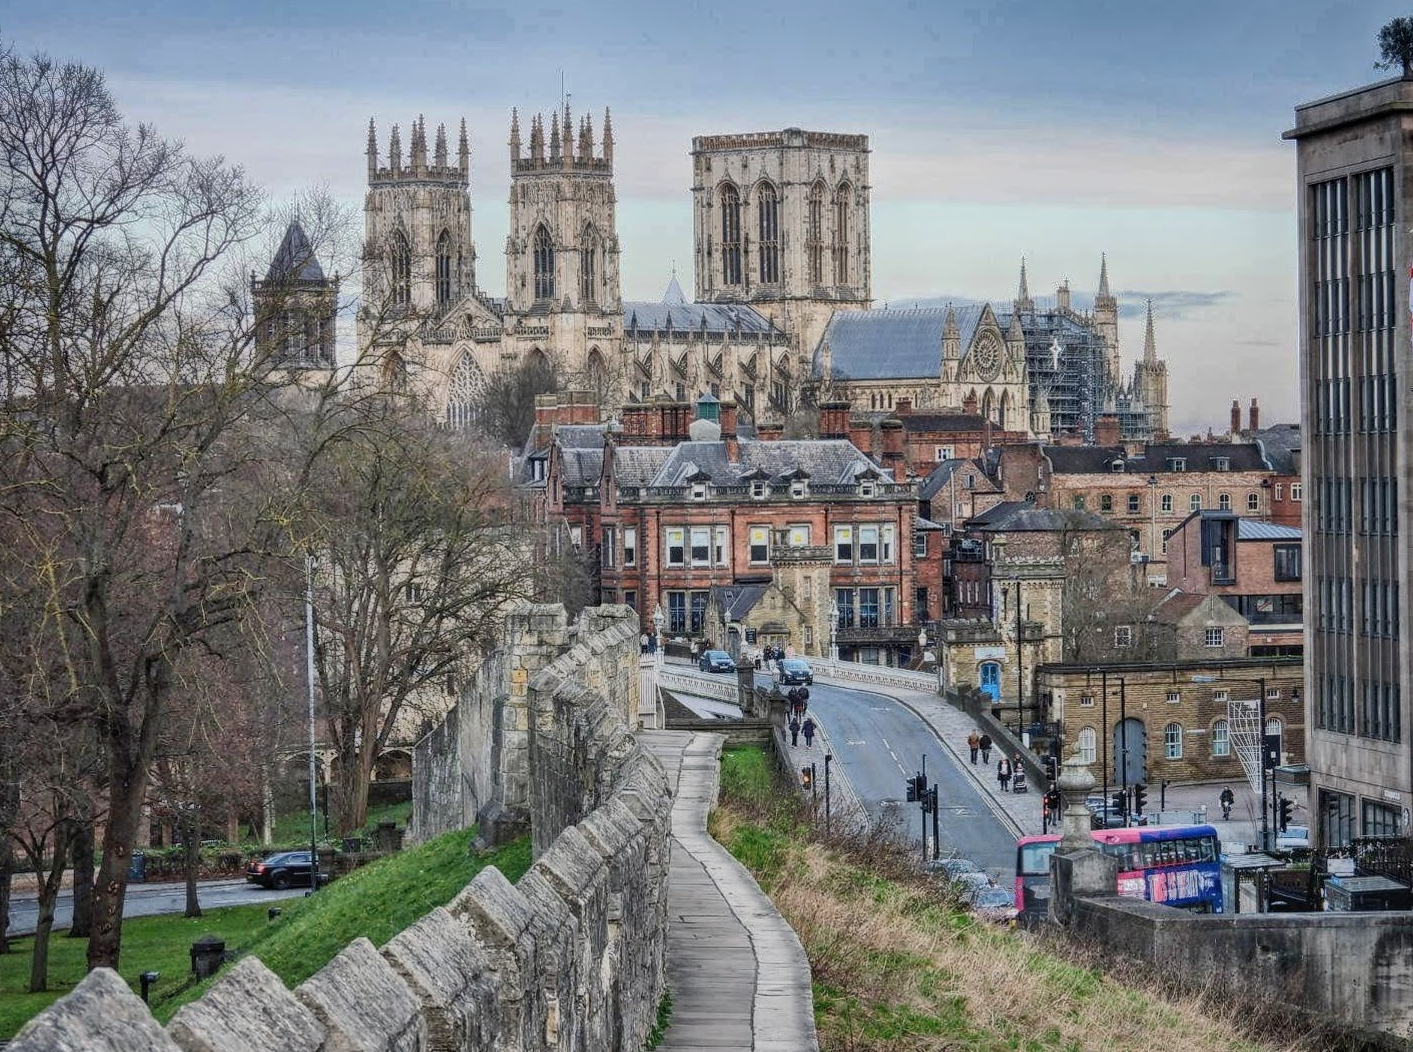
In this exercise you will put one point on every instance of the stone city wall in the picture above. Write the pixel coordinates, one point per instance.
(571, 957)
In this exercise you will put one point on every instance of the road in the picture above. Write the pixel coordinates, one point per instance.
(146, 900)
(877, 742)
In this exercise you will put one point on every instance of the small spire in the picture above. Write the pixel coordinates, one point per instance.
(395, 150)
(1150, 345)
(1015, 332)
(1104, 274)
(463, 150)
(586, 139)
(568, 134)
(554, 153)
(607, 136)
(440, 155)
(514, 134)
(537, 138)
(419, 143)
(1023, 300)
(372, 149)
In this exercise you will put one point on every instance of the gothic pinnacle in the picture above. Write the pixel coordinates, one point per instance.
(1150, 345)
(607, 136)
(463, 150)
(1103, 274)
(440, 155)
(395, 150)
(1024, 293)
(372, 149)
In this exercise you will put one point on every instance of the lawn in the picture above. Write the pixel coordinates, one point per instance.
(376, 902)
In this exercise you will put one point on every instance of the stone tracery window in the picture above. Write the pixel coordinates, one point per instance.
(400, 262)
(444, 270)
(814, 234)
(841, 233)
(730, 235)
(544, 264)
(768, 215)
(463, 394)
(588, 266)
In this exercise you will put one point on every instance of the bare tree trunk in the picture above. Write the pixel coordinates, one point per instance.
(267, 808)
(191, 863)
(7, 872)
(82, 852)
(355, 772)
(48, 893)
(127, 787)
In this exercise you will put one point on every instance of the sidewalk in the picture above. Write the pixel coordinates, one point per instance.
(736, 971)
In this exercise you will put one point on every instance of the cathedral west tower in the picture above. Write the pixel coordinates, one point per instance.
(781, 223)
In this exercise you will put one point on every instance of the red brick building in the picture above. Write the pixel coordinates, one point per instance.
(671, 508)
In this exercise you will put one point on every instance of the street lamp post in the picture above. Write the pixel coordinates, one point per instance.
(1020, 666)
(309, 676)
(659, 619)
(1152, 518)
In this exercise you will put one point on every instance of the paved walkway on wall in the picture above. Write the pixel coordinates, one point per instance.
(737, 973)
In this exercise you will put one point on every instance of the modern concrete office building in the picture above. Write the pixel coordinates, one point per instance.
(1355, 187)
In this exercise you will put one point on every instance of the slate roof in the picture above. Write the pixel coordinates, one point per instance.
(581, 436)
(1281, 446)
(295, 259)
(674, 313)
(737, 600)
(1156, 458)
(832, 461)
(1256, 530)
(1019, 516)
(887, 344)
(943, 422)
(638, 465)
(942, 474)
(581, 467)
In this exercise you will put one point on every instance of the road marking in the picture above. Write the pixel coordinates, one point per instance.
(855, 741)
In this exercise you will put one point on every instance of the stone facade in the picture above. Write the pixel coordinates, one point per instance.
(571, 957)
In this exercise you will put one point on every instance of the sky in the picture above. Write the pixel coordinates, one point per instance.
(1053, 130)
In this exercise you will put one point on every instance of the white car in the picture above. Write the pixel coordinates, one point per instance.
(1295, 838)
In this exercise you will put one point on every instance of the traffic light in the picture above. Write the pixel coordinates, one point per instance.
(1140, 798)
(917, 788)
(912, 791)
(1118, 803)
(806, 776)
(1284, 807)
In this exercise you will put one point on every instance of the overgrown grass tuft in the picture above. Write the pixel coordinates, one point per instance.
(899, 966)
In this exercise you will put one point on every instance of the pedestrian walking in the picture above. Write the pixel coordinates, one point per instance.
(643, 643)
(973, 745)
(804, 700)
(808, 728)
(1227, 799)
(1003, 773)
(794, 731)
(986, 749)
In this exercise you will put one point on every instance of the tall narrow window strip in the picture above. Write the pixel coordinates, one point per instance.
(444, 270)
(730, 235)
(401, 265)
(842, 209)
(814, 234)
(544, 264)
(768, 229)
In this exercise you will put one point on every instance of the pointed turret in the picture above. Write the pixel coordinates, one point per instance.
(1150, 347)
(554, 152)
(395, 151)
(537, 139)
(372, 150)
(419, 145)
(439, 157)
(1023, 300)
(607, 136)
(463, 151)
(514, 135)
(568, 136)
(1014, 333)
(1103, 274)
(586, 140)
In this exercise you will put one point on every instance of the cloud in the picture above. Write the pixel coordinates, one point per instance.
(1173, 304)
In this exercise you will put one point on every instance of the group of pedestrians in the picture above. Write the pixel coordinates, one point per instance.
(772, 654)
(1010, 773)
(979, 744)
(800, 720)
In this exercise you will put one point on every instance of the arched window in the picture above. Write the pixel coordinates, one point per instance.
(400, 261)
(1221, 738)
(597, 374)
(1088, 745)
(1224, 501)
(1172, 741)
(544, 264)
(444, 270)
(730, 235)
(1106, 502)
(768, 228)
(1004, 412)
(588, 266)
(463, 394)
(841, 233)
(1195, 502)
(814, 234)
(988, 405)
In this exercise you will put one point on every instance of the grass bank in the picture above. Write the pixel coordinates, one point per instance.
(899, 966)
(376, 902)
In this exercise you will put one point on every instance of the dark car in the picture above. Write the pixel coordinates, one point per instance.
(283, 870)
(716, 661)
(796, 670)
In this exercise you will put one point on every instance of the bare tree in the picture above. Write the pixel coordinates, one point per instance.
(507, 409)
(136, 489)
(417, 559)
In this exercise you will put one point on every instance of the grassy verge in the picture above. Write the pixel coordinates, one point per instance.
(377, 902)
(898, 966)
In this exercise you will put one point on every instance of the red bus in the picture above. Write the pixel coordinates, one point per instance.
(1175, 865)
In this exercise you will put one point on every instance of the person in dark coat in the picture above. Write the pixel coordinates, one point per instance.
(986, 748)
(808, 728)
(794, 731)
(1003, 773)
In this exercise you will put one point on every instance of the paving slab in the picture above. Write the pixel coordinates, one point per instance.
(738, 975)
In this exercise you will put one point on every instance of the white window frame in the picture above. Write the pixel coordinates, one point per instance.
(1280, 490)
(844, 545)
(1172, 741)
(674, 537)
(1214, 637)
(758, 489)
(919, 544)
(885, 544)
(694, 535)
(1253, 502)
(1224, 502)
(1173, 697)
(799, 489)
(866, 488)
(1194, 502)
(759, 538)
(1088, 744)
(1221, 738)
(868, 539)
(1297, 491)
(1166, 504)
(699, 491)
(1086, 701)
(630, 546)
(721, 546)
(608, 551)
(941, 453)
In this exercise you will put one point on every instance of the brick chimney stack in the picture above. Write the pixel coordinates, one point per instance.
(893, 446)
(1106, 431)
(770, 432)
(904, 407)
(1255, 416)
(969, 403)
(1235, 417)
(834, 419)
(728, 431)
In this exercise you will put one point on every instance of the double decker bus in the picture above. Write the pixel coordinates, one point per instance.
(1175, 865)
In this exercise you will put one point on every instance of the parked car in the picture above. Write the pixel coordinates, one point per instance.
(994, 903)
(1295, 838)
(796, 670)
(716, 661)
(283, 870)
(953, 868)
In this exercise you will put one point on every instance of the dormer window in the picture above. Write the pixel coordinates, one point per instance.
(1117, 466)
(798, 489)
(866, 488)
(1177, 463)
(1221, 463)
(699, 491)
(757, 490)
